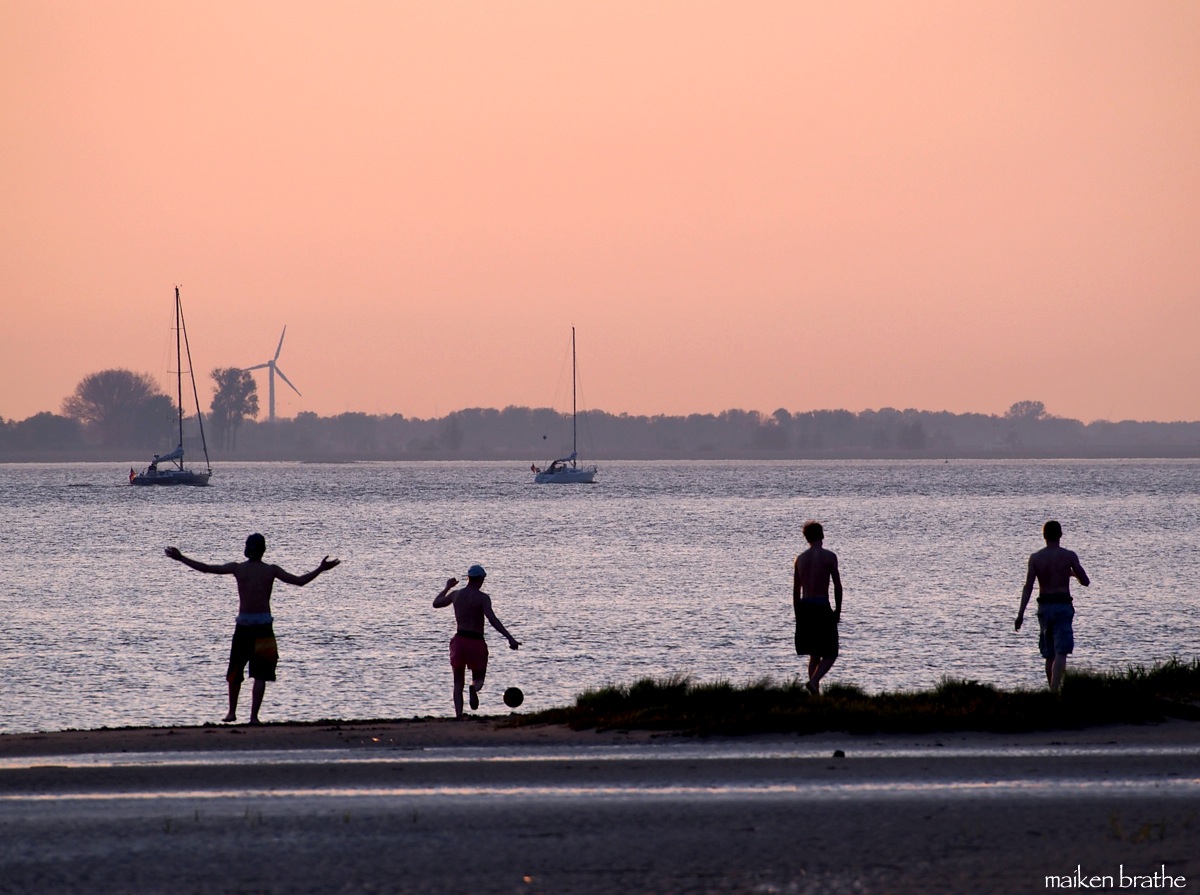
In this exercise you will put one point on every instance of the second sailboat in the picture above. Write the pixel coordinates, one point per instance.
(566, 470)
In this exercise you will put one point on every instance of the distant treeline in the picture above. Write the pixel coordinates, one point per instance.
(522, 433)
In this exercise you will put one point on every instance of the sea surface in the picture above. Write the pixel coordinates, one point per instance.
(657, 570)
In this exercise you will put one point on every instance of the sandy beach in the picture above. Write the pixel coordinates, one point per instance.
(437, 806)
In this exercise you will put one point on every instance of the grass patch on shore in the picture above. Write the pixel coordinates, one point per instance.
(1135, 695)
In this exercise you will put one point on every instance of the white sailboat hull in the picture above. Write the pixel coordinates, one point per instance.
(582, 475)
(172, 477)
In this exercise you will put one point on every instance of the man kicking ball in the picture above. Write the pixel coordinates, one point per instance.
(467, 646)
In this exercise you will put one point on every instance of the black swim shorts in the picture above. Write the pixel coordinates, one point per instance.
(254, 644)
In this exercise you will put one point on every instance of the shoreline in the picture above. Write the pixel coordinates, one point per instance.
(495, 731)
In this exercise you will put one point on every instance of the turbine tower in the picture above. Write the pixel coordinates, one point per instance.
(272, 369)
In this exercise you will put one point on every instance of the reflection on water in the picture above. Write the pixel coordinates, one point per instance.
(663, 569)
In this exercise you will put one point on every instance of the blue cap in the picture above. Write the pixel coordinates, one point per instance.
(476, 571)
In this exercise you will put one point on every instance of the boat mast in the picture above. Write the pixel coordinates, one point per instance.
(179, 364)
(574, 447)
(195, 394)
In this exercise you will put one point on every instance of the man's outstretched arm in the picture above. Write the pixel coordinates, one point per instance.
(224, 569)
(301, 580)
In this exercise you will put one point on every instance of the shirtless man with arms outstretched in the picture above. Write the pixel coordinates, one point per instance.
(253, 635)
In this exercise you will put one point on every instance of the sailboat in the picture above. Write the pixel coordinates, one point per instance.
(566, 470)
(168, 469)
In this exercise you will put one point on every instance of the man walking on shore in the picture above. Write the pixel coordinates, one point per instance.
(1053, 567)
(467, 646)
(253, 634)
(816, 621)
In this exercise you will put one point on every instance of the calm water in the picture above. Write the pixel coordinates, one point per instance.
(659, 569)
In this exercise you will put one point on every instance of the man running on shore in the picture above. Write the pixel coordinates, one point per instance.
(816, 621)
(253, 635)
(1053, 567)
(467, 646)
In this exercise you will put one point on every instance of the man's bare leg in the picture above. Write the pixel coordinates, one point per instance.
(1057, 670)
(821, 669)
(256, 694)
(460, 678)
(817, 668)
(235, 687)
(476, 686)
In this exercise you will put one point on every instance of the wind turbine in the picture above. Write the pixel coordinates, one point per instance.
(272, 369)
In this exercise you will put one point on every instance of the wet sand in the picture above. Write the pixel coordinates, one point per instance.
(439, 806)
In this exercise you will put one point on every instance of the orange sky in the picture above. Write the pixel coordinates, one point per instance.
(754, 205)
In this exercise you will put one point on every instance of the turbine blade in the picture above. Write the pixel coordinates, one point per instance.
(280, 348)
(288, 381)
(256, 367)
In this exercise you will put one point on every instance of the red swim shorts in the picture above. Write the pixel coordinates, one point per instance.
(469, 652)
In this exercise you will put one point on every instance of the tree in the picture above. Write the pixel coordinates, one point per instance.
(773, 431)
(120, 407)
(156, 421)
(913, 436)
(451, 437)
(235, 399)
(45, 431)
(1026, 410)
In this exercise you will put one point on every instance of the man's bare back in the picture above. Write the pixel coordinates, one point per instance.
(255, 581)
(815, 568)
(471, 608)
(1053, 567)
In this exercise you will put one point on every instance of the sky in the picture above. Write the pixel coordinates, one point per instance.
(797, 205)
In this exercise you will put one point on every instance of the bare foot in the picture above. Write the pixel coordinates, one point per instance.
(474, 697)
(230, 717)
(255, 722)
(813, 687)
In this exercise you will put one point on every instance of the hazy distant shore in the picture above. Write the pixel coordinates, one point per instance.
(528, 435)
(135, 458)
